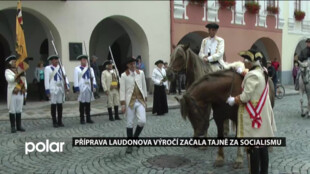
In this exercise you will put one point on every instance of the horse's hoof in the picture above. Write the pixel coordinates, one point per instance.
(203, 148)
(219, 163)
(303, 115)
(238, 165)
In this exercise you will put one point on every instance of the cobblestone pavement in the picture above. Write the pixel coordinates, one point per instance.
(294, 158)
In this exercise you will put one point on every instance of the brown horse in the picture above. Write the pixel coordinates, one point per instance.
(212, 91)
(183, 58)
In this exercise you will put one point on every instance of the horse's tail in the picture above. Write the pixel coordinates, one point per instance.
(184, 106)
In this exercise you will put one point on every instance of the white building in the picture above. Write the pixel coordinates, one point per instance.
(131, 28)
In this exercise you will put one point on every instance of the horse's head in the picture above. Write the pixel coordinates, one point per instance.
(178, 58)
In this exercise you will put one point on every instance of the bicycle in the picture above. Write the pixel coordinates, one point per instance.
(280, 90)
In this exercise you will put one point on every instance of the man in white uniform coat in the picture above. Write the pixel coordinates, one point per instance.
(109, 81)
(15, 93)
(133, 97)
(255, 115)
(55, 88)
(83, 74)
(212, 52)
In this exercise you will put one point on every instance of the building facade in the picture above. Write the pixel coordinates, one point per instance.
(151, 29)
(131, 28)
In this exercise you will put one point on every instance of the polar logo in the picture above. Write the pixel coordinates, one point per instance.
(44, 147)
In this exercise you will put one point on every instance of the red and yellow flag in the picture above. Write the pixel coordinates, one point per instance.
(20, 46)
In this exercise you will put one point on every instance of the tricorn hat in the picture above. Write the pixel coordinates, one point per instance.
(130, 59)
(108, 62)
(251, 55)
(82, 56)
(11, 57)
(308, 40)
(53, 57)
(212, 25)
(158, 62)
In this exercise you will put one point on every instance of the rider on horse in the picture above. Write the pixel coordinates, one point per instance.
(255, 115)
(212, 49)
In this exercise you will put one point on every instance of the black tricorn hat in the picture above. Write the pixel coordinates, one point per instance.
(82, 56)
(11, 57)
(158, 62)
(308, 40)
(53, 57)
(108, 62)
(212, 25)
(130, 59)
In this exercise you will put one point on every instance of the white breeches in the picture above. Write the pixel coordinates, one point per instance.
(57, 98)
(85, 96)
(137, 110)
(113, 98)
(16, 105)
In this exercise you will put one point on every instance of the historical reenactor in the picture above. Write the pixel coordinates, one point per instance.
(212, 48)
(255, 115)
(110, 85)
(15, 93)
(303, 56)
(160, 81)
(133, 97)
(56, 86)
(212, 52)
(84, 77)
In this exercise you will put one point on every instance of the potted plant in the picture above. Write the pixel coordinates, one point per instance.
(252, 7)
(200, 2)
(227, 3)
(273, 10)
(299, 15)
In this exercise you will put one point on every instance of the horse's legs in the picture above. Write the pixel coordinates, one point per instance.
(226, 127)
(219, 162)
(301, 104)
(239, 160)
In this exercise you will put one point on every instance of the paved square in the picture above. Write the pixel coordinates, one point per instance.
(294, 158)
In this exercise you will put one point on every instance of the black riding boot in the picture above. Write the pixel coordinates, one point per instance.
(110, 114)
(53, 113)
(254, 160)
(137, 132)
(19, 122)
(88, 120)
(129, 136)
(116, 113)
(59, 112)
(264, 160)
(82, 111)
(12, 120)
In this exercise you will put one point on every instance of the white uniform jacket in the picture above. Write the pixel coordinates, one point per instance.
(53, 80)
(216, 47)
(253, 86)
(82, 79)
(127, 84)
(106, 79)
(158, 75)
(10, 78)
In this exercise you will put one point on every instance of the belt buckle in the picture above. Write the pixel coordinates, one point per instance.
(59, 84)
(86, 82)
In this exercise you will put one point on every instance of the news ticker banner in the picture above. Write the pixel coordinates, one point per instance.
(175, 141)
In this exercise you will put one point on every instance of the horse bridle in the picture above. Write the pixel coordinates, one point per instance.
(199, 108)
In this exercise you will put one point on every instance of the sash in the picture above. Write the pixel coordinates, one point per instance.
(255, 112)
(83, 72)
(54, 72)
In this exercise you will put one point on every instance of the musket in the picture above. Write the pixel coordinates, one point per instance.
(90, 75)
(60, 64)
(117, 73)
